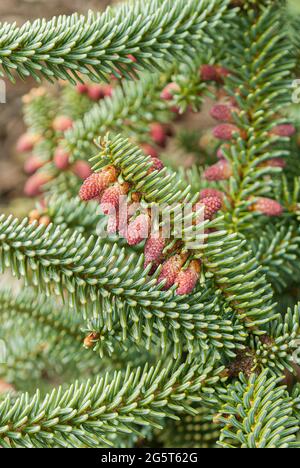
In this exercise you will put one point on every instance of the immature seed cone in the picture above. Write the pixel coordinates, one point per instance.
(34, 184)
(149, 150)
(94, 185)
(157, 165)
(158, 134)
(211, 206)
(171, 269)
(82, 88)
(61, 159)
(89, 341)
(110, 200)
(225, 131)
(32, 164)
(62, 123)
(213, 73)
(138, 229)
(27, 142)
(169, 91)
(211, 192)
(113, 224)
(96, 92)
(267, 206)
(284, 130)
(154, 250)
(222, 112)
(220, 171)
(82, 169)
(187, 279)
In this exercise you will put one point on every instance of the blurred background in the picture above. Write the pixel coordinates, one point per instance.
(11, 125)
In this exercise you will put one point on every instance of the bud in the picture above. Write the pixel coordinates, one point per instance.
(32, 164)
(187, 279)
(284, 130)
(267, 206)
(138, 229)
(34, 184)
(110, 200)
(82, 169)
(61, 159)
(220, 171)
(171, 269)
(169, 91)
(225, 131)
(27, 142)
(33, 216)
(90, 340)
(94, 185)
(45, 220)
(108, 90)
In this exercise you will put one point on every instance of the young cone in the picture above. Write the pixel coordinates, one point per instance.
(138, 229)
(171, 269)
(187, 279)
(220, 171)
(267, 206)
(94, 185)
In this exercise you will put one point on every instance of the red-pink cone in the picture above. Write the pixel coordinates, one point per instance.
(62, 123)
(169, 91)
(171, 269)
(211, 206)
(226, 131)
(34, 184)
(82, 169)
(220, 171)
(110, 200)
(267, 206)
(149, 150)
(154, 250)
(27, 142)
(211, 192)
(32, 164)
(158, 134)
(138, 229)
(61, 159)
(94, 185)
(187, 279)
(284, 130)
(222, 112)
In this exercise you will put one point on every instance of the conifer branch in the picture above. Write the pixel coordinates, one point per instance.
(99, 44)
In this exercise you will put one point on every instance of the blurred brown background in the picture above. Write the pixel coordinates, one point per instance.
(11, 125)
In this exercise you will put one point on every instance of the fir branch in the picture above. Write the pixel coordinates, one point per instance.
(99, 44)
(257, 413)
(236, 273)
(90, 273)
(88, 413)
